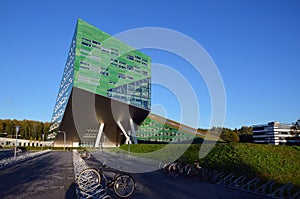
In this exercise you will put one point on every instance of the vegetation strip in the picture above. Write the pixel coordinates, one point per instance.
(268, 162)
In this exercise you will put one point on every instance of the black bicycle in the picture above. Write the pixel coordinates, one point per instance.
(122, 183)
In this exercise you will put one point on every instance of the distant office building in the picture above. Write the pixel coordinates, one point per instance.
(275, 133)
(5, 142)
(105, 90)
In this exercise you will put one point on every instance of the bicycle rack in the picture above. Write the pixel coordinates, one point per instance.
(217, 177)
(89, 188)
(227, 179)
(296, 195)
(239, 182)
(265, 188)
(252, 184)
(279, 192)
(205, 173)
(98, 193)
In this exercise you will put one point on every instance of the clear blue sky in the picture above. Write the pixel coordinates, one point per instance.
(254, 43)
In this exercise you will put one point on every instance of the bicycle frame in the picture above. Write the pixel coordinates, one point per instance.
(123, 184)
(108, 182)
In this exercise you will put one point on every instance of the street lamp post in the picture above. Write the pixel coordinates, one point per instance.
(129, 132)
(17, 130)
(64, 138)
(43, 135)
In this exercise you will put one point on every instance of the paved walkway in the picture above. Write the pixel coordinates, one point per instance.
(48, 176)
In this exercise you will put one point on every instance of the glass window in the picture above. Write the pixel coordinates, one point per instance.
(144, 73)
(129, 67)
(95, 58)
(84, 63)
(85, 39)
(84, 67)
(86, 44)
(129, 77)
(114, 53)
(96, 42)
(114, 64)
(130, 57)
(94, 46)
(122, 76)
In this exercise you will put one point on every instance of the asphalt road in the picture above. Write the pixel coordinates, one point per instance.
(158, 185)
(47, 176)
(6, 153)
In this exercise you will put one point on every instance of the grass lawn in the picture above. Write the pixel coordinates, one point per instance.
(269, 162)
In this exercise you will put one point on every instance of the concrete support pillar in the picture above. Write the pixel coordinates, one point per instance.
(133, 131)
(128, 141)
(98, 142)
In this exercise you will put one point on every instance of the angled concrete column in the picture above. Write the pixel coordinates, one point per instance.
(99, 135)
(133, 131)
(128, 141)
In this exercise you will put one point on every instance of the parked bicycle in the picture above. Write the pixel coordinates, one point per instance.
(123, 184)
(178, 168)
(173, 169)
(85, 154)
(191, 169)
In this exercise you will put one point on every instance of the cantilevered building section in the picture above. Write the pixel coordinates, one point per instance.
(104, 92)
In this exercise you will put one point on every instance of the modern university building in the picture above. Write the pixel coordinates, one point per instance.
(104, 92)
(276, 133)
(104, 97)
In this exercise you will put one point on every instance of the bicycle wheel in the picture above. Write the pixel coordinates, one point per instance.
(89, 180)
(124, 185)
(174, 169)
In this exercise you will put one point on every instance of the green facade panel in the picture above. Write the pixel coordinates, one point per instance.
(154, 131)
(111, 68)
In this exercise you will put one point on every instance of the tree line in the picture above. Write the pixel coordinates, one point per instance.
(243, 134)
(34, 130)
(29, 129)
(296, 125)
